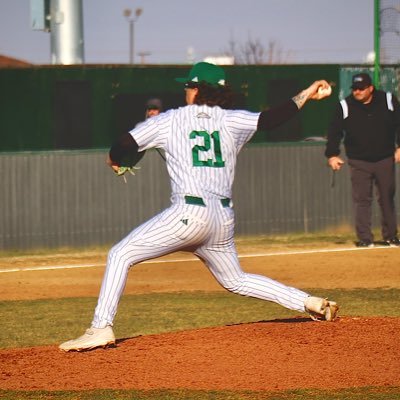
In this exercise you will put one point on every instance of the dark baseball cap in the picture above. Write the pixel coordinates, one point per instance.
(154, 104)
(361, 81)
(205, 72)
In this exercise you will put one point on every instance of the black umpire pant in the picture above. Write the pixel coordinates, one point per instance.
(364, 175)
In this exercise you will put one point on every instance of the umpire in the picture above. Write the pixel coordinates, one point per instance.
(368, 122)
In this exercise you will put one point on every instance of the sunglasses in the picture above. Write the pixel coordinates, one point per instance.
(359, 89)
(191, 85)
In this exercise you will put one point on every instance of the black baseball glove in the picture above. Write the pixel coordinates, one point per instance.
(124, 154)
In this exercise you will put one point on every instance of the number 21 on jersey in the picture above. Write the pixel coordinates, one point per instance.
(210, 142)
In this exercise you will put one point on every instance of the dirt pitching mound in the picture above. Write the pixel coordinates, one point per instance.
(267, 355)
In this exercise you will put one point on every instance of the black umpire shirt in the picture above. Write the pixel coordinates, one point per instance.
(371, 132)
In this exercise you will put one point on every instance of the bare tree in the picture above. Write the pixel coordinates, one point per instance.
(254, 52)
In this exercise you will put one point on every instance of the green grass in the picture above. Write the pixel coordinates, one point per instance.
(339, 235)
(370, 393)
(46, 322)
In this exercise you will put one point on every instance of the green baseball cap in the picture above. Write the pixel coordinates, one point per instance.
(205, 72)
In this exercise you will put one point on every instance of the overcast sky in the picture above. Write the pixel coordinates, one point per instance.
(306, 31)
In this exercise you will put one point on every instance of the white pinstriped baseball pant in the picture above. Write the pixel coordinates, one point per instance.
(207, 231)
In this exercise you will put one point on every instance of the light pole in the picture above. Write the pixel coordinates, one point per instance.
(127, 15)
(377, 44)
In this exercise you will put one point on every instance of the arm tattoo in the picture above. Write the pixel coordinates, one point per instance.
(300, 99)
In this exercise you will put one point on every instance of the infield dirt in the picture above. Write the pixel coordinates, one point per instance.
(267, 355)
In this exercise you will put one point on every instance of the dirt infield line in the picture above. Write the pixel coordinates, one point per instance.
(189, 259)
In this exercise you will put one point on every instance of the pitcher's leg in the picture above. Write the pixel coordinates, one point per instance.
(120, 258)
(226, 269)
(172, 230)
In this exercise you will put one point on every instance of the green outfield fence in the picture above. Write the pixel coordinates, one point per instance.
(86, 107)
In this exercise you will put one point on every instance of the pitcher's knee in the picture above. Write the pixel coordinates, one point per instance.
(113, 254)
(237, 286)
(119, 257)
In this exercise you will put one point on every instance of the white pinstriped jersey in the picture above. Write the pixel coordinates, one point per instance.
(201, 144)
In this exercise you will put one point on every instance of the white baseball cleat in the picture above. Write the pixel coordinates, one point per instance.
(92, 338)
(321, 309)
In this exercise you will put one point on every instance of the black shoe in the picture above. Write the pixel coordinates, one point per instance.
(392, 242)
(364, 243)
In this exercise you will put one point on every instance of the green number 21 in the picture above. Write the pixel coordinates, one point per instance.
(198, 149)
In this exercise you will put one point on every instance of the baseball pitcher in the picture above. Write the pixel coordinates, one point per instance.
(201, 142)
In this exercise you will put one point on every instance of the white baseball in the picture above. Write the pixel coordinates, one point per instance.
(324, 91)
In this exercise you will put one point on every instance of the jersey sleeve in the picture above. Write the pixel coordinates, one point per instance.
(242, 125)
(151, 133)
